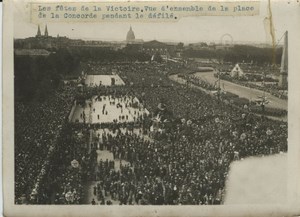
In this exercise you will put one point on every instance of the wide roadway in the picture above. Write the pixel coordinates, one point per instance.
(175, 77)
(243, 91)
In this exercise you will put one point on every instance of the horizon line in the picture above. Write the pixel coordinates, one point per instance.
(161, 40)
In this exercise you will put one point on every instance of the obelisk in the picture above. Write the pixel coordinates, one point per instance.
(283, 82)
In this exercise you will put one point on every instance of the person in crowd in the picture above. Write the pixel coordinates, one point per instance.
(184, 161)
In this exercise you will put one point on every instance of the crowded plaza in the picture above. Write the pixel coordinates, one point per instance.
(140, 139)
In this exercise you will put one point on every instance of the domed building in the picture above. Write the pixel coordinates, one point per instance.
(130, 35)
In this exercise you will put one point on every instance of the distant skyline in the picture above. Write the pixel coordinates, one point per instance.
(187, 30)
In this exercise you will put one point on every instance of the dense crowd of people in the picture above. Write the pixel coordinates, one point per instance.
(198, 81)
(73, 165)
(218, 134)
(254, 74)
(186, 162)
(37, 127)
(234, 99)
(96, 68)
(190, 165)
(248, 68)
(271, 88)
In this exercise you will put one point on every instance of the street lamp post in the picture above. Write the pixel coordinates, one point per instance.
(219, 86)
(264, 95)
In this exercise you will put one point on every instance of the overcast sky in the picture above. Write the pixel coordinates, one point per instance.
(191, 29)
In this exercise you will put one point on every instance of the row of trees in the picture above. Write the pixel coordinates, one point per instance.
(107, 54)
(38, 76)
(238, 53)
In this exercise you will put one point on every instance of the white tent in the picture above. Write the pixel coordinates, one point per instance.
(236, 71)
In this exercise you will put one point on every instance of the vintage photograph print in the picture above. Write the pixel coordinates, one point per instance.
(124, 104)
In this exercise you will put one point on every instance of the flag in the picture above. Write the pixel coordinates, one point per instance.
(152, 58)
(216, 82)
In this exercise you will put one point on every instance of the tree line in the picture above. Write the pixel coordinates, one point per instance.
(238, 53)
(106, 54)
(36, 77)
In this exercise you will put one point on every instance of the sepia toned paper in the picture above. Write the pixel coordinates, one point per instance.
(136, 11)
(93, 24)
